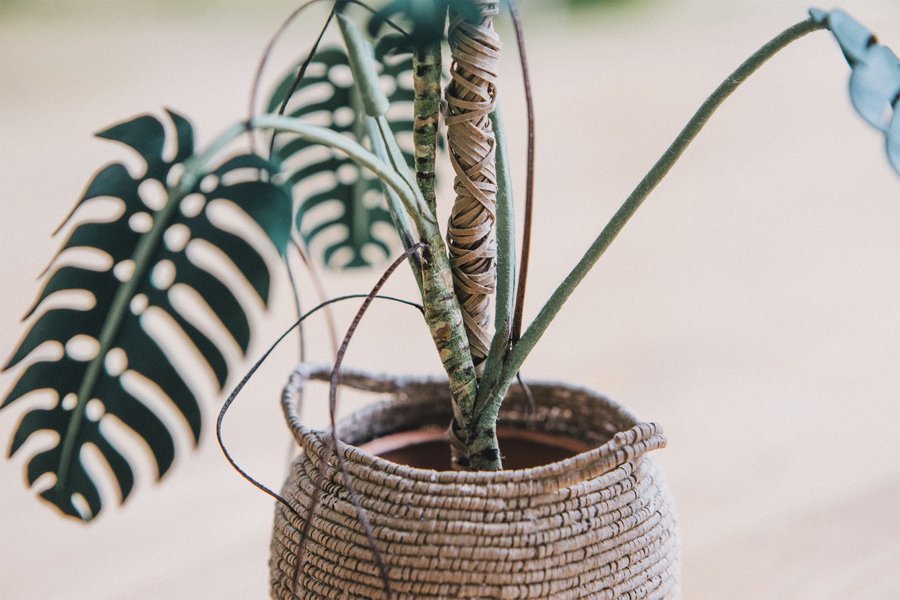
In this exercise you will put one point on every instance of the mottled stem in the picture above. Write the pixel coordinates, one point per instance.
(471, 97)
(443, 310)
(445, 321)
(426, 105)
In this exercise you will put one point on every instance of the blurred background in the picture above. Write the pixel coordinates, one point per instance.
(751, 306)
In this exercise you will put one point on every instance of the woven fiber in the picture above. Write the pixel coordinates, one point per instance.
(597, 525)
(471, 96)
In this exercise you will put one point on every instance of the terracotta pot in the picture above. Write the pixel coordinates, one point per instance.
(581, 511)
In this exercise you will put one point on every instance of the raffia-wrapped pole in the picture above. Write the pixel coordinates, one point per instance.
(470, 95)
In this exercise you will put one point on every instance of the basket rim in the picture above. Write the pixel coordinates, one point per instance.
(624, 446)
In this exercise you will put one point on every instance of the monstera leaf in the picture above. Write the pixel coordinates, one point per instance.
(333, 185)
(875, 80)
(146, 253)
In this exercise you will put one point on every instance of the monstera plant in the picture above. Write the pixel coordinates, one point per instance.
(352, 130)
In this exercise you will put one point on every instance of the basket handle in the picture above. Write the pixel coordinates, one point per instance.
(376, 383)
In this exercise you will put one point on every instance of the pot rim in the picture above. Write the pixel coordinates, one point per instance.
(407, 438)
(623, 446)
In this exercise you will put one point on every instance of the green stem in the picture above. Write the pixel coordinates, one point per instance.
(426, 108)
(398, 213)
(442, 310)
(360, 219)
(355, 152)
(506, 267)
(659, 170)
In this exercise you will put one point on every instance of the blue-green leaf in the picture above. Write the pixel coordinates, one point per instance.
(875, 80)
(148, 246)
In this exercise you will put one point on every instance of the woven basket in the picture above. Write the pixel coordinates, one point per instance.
(596, 525)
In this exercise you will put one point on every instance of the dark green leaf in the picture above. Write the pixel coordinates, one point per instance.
(146, 135)
(115, 321)
(135, 415)
(327, 95)
(245, 257)
(264, 203)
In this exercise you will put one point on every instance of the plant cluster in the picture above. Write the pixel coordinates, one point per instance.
(351, 130)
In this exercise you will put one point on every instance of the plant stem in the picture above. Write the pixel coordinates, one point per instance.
(529, 176)
(523, 347)
(395, 206)
(506, 266)
(442, 311)
(426, 108)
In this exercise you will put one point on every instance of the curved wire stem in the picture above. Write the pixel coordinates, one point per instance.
(321, 292)
(264, 59)
(332, 410)
(529, 174)
(246, 378)
(304, 66)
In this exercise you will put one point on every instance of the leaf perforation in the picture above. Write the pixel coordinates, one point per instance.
(325, 98)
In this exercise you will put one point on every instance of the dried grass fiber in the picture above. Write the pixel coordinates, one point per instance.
(600, 524)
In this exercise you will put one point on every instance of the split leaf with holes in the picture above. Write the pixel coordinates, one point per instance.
(109, 350)
(343, 211)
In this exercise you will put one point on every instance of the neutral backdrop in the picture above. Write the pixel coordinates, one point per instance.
(751, 307)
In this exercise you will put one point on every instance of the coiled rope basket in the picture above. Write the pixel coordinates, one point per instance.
(599, 524)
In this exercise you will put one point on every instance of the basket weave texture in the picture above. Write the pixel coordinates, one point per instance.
(600, 524)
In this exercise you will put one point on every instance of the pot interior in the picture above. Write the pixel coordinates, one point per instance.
(428, 448)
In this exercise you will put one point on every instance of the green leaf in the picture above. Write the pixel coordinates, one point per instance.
(156, 242)
(875, 80)
(333, 183)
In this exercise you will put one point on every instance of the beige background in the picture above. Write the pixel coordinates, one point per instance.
(751, 306)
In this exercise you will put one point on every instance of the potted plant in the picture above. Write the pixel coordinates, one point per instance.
(480, 367)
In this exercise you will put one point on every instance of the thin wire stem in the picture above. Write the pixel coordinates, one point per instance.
(321, 293)
(529, 174)
(267, 52)
(295, 293)
(377, 15)
(332, 410)
(301, 73)
(246, 378)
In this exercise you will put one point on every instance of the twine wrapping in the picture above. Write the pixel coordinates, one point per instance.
(597, 525)
(471, 95)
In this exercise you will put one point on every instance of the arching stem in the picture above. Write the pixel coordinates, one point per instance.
(548, 312)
